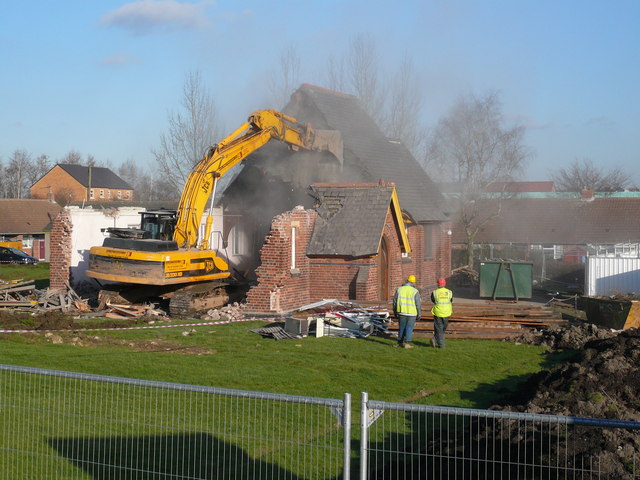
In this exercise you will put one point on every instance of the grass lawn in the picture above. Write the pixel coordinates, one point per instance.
(469, 373)
(39, 273)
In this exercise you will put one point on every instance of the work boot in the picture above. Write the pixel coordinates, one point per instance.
(433, 342)
(408, 345)
(398, 345)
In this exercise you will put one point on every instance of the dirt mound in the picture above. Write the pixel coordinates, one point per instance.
(603, 381)
(573, 336)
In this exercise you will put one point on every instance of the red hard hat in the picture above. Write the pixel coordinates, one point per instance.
(441, 282)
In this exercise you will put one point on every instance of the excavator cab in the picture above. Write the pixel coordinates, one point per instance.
(159, 224)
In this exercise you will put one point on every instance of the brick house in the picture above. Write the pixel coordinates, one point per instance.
(66, 183)
(353, 238)
(28, 221)
(274, 180)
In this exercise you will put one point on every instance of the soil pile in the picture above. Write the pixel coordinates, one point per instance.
(573, 336)
(602, 381)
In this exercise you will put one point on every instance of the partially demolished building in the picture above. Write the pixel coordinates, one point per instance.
(345, 236)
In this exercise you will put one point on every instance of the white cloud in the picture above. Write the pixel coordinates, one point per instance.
(147, 16)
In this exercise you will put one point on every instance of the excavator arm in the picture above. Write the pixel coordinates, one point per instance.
(260, 127)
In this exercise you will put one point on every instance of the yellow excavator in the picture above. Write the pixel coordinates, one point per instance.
(166, 256)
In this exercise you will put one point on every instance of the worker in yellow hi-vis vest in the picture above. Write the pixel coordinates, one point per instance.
(406, 308)
(442, 299)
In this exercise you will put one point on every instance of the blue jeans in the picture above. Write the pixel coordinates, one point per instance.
(439, 327)
(405, 327)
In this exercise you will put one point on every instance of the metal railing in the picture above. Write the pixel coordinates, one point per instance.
(63, 425)
(401, 441)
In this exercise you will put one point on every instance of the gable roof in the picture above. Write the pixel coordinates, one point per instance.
(561, 221)
(368, 154)
(100, 177)
(351, 219)
(19, 216)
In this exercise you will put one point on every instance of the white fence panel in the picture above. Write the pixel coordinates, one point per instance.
(611, 275)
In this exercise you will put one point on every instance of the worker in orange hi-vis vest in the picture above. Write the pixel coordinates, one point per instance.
(442, 299)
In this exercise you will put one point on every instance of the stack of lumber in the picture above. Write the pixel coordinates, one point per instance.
(486, 319)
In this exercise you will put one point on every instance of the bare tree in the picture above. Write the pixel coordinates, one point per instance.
(583, 174)
(363, 75)
(191, 131)
(17, 174)
(40, 166)
(73, 157)
(4, 189)
(283, 82)
(402, 118)
(472, 147)
(147, 184)
(335, 74)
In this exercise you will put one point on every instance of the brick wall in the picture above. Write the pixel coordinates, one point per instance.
(280, 287)
(60, 244)
(58, 182)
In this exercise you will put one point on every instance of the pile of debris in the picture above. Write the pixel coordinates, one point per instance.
(331, 318)
(232, 312)
(464, 277)
(23, 296)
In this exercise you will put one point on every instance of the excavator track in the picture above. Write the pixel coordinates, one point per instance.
(197, 298)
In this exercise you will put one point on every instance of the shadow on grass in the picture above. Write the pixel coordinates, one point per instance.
(452, 446)
(193, 456)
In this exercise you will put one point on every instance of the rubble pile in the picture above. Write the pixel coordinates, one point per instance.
(231, 312)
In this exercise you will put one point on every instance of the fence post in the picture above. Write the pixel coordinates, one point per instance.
(346, 422)
(364, 435)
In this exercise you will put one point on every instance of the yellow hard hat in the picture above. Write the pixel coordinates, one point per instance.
(411, 278)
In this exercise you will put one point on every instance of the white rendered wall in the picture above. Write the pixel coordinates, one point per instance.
(612, 275)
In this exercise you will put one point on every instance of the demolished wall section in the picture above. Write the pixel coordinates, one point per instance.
(284, 274)
(61, 248)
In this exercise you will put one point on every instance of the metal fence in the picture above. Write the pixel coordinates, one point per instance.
(62, 425)
(400, 441)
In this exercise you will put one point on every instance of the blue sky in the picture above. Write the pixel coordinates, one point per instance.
(101, 77)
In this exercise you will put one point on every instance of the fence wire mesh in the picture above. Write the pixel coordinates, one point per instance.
(61, 425)
(402, 441)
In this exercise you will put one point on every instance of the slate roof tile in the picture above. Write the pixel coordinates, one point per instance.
(100, 177)
(26, 216)
(369, 155)
(355, 227)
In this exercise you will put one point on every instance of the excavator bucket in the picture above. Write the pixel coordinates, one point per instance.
(329, 141)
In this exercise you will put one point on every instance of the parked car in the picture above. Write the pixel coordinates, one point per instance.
(13, 255)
